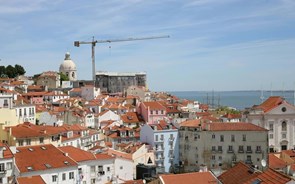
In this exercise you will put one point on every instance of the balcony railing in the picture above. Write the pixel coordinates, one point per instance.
(249, 151)
(230, 151)
(258, 151)
(241, 151)
(2, 171)
(220, 151)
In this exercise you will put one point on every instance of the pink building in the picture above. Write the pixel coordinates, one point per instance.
(152, 112)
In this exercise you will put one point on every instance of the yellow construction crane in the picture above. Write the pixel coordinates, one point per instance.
(94, 42)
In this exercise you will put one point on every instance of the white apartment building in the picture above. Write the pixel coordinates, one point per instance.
(163, 137)
(26, 113)
(278, 116)
(92, 169)
(219, 145)
(6, 164)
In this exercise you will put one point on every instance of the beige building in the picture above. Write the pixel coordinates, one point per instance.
(278, 116)
(219, 145)
(50, 79)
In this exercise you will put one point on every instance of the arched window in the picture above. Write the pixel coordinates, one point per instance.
(73, 74)
(67, 73)
(284, 126)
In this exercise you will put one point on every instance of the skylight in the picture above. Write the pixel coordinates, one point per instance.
(48, 165)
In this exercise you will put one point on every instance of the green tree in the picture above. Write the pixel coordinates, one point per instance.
(19, 70)
(63, 77)
(2, 71)
(10, 71)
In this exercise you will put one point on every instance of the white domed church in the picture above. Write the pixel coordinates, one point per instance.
(68, 67)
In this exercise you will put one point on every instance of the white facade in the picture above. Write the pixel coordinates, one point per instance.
(109, 115)
(280, 121)
(6, 166)
(63, 175)
(165, 143)
(95, 171)
(123, 169)
(26, 113)
(6, 99)
(90, 92)
(89, 120)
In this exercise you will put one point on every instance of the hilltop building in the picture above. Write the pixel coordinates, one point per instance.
(68, 68)
(115, 82)
(278, 116)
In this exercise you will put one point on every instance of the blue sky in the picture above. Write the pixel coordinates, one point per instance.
(214, 44)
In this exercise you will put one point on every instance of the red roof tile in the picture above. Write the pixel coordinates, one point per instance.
(30, 180)
(237, 174)
(37, 156)
(271, 103)
(189, 178)
(154, 105)
(275, 162)
(234, 127)
(77, 154)
(6, 152)
(270, 176)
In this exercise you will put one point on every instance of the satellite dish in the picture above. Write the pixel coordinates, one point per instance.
(263, 163)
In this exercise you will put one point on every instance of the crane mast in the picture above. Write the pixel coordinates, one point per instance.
(94, 42)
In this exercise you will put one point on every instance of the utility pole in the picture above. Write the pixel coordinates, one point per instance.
(94, 42)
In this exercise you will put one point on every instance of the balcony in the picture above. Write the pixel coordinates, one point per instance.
(241, 151)
(230, 151)
(171, 139)
(159, 149)
(159, 140)
(249, 151)
(159, 159)
(258, 151)
(220, 151)
(3, 172)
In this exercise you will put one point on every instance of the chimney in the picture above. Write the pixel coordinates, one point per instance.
(66, 154)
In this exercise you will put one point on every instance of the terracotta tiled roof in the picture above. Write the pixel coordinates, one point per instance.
(154, 105)
(103, 156)
(189, 178)
(77, 154)
(30, 180)
(163, 125)
(271, 103)
(232, 116)
(6, 152)
(130, 117)
(270, 176)
(37, 158)
(120, 154)
(191, 123)
(237, 174)
(233, 127)
(275, 162)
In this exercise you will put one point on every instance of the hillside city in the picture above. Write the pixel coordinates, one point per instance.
(55, 128)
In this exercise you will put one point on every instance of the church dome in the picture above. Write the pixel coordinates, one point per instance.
(68, 64)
